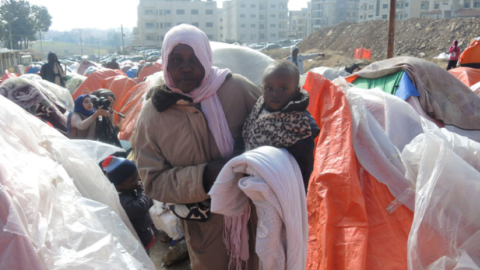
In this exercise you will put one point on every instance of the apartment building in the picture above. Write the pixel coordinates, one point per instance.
(156, 17)
(297, 23)
(439, 9)
(325, 13)
(380, 9)
(252, 21)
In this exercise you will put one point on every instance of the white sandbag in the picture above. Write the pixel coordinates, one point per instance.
(330, 73)
(58, 210)
(242, 60)
(442, 56)
(165, 220)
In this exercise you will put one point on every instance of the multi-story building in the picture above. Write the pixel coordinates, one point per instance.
(380, 9)
(450, 8)
(326, 13)
(156, 17)
(251, 21)
(297, 24)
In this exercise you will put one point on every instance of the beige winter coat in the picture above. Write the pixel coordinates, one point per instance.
(172, 148)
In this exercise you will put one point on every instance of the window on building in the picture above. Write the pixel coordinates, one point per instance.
(273, 25)
(477, 4)
(384, 16)
(272, 15)
(262, 36)
(262, 7)
(160, 11)
(179, 23)
(281, 6)
(242, 6)
(253, 25)
(242, 25)
(221, 19)
(209, 11)
(466, 4)
(385, 6)
(149, 12)
(180, 11)
(221, 27)
(221, 35)
(273, 35)
(162, 37)
(262, 17)
(210, 37)
(209, 24)
(437, 6)
(253, 15)
(242, 15)
(168, 11)
(168, 24)
(253, 6)
(405, 16)
(149, 25)
(370, 7)
(273, 6)
(194, 11)
(262, 26)
(370, 16)
(161, 25)
(151, 38)
(195, 24)
(406, 4)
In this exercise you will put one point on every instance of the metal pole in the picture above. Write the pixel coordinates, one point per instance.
(41, 46)
(391, 29)
(123, 47)
(81, 45)
(10, 32)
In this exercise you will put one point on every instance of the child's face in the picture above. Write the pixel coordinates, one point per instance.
(87, 104)
(279, 88)
(131, 183)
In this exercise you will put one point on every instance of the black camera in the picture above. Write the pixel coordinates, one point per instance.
(101, 101)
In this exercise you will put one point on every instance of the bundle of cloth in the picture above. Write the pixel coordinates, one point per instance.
(271, 178)
(34, 97)
(74, 81)
(58, 209)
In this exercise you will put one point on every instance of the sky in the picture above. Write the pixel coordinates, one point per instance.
(103, 14)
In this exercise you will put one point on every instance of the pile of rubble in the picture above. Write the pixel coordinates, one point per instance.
(425, 38)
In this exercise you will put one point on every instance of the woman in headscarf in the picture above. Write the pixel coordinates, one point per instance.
(454, 52)
(81, 123)
(52, 71)
(186, 132)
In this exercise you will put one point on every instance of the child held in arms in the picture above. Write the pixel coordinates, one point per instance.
(280, 117)
(124, 175)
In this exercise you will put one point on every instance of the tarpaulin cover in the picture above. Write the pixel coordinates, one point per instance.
(148, 70)
(398, 84)
(362, 53)
(95, 81)
(121, 86)
(58, 210)
(349, 227)
(132, 104)
(33, 69)
(84, 66)
(471, 56)
(469, 76)
(131, 72)
(74, 81)
(7, 75)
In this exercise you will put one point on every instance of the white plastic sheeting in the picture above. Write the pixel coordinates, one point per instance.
(58, 210)
(432, 171)
(242, 60)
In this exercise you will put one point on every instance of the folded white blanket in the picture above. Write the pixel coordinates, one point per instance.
(271, 178)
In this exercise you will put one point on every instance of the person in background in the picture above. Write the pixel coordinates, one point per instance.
(124, 175)
(454, 52)
(280, 118)
(52, 71)
(298, 59)
(113, 64)
(81, 123)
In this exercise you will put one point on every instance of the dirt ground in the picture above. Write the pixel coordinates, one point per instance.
(158, 250)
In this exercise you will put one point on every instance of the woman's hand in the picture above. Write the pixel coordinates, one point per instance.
(112, 101)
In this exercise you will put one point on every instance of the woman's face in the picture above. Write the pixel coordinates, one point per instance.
(87, 104)
(184, 68)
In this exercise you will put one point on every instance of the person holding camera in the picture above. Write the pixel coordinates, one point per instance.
(81, 123)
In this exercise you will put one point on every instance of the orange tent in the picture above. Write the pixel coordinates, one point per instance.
(121, 86)
(471, 56)
(469, 76)
(349, 226)
(95, 81)
(149, 70)
(131, 106)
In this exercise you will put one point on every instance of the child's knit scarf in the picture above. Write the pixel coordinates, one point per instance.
(278, 129)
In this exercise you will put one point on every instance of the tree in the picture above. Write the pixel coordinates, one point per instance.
(22, 22)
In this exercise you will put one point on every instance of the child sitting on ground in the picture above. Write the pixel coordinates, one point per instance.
(124, 175)
(280, 117)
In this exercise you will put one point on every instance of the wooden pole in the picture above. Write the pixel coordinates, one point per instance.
(391, 29)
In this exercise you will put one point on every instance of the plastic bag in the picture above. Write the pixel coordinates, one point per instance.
(165, 220)
(58, 210)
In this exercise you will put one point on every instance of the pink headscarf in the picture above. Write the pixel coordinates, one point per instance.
(206, 93)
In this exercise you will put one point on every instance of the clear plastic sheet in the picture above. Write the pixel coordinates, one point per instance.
(437, 170)
(58, 210)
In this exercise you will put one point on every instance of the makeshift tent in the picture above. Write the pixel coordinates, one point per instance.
(362, 53)
(468, 76)
(7, 75)
(95, 81)
(121, 86)
(131, 72)
(376, 160)
(74, 81)
(33, 69)
(149, 69)
(471, 56)
(53, 214)
(84, 66)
